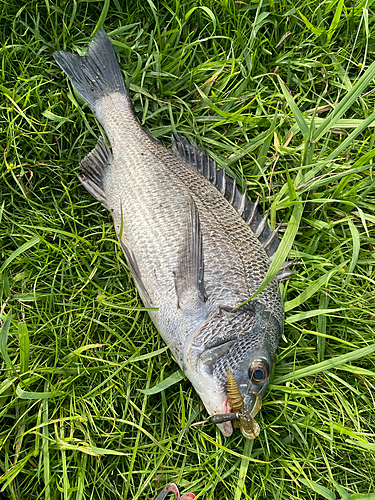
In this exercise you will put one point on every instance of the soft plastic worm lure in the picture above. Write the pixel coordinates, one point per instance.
(249, 427)
(234, 396)
(247, 424)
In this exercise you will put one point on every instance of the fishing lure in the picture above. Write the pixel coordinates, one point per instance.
(247, 423)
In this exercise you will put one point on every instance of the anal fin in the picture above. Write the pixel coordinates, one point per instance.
(93, 167)
(134, 269)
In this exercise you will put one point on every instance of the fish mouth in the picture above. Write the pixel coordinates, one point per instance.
(243, 420)
(240, 411)
(246, 407)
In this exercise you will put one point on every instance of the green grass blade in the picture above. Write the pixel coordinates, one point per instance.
(318, 488)
(35, 395)
(19, 251)
(311, 289)
(231, 451)
(346, 103)
(326, 365)
(81, 473)
(45, 447)
(11, 474)
(311, 27)
(322, 326)
(335, 20)
(356, 247)
(330, 178)
(262, 157)
(149, 355)
(349, 140)
(357, 370)
(2, 210)
(53, 117)
(89, 449)
(103, 15)
(233, 117)
(341, 491)
(294, 318)
(365, 445)
(24, 347)
(205, 9)
(284, 248)
(302, 124)
(342, 123)
(168, 382)
(4, 340)
(292, 191)
(65, 475)
(244, 466)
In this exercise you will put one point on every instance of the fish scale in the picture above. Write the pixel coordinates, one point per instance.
(232, 264)
(196, 246)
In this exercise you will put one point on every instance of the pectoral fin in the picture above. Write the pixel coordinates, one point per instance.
(189, 275)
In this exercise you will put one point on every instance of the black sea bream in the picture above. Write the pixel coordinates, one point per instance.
(197, 248)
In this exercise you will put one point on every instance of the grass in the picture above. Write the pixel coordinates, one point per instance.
(281, 95)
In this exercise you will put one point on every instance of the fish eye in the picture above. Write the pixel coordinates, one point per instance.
(258, 371)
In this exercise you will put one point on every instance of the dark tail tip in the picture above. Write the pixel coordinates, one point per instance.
(98, 73)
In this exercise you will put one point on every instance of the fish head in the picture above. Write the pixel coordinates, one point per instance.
(242, 341)
(252, 377)
(251, 364)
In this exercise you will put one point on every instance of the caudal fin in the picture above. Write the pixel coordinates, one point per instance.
(97, 74)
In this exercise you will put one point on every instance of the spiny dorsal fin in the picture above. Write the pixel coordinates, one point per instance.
(93, 167)
(248, 210)
(285, 273)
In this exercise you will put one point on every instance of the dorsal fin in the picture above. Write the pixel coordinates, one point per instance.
(248, 210)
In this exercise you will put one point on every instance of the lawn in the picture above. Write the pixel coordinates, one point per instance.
(281, 95)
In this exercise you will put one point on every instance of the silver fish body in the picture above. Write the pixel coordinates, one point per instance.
(197, 248)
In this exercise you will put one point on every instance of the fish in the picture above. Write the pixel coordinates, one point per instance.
(196, 246)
